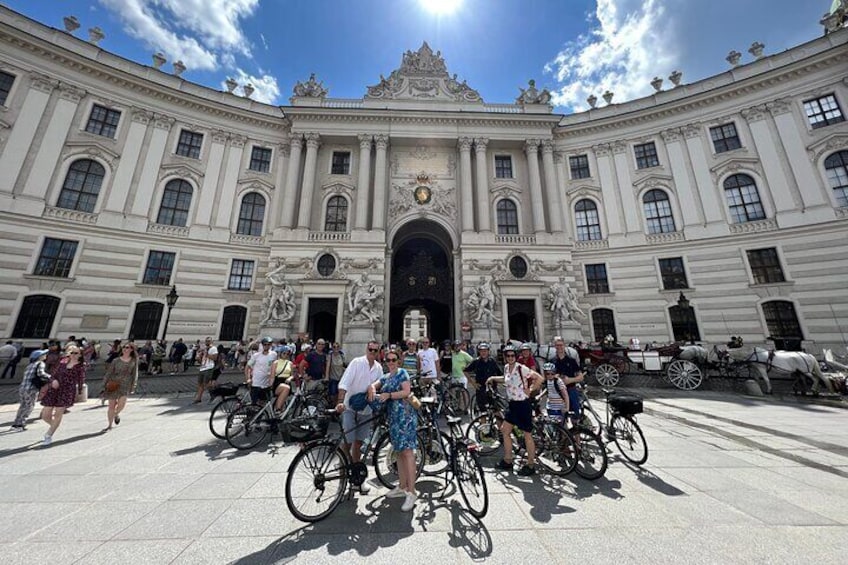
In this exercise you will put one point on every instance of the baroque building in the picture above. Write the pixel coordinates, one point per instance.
(705, 210)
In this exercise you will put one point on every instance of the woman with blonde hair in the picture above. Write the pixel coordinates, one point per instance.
(119, 381)
(66, 382)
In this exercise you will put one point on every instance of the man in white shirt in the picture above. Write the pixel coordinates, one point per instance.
(8, 354)
(429, 360)
(209, 371)
(360, 373)
(259, 372)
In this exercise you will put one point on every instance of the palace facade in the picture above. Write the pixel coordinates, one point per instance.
(705, 210)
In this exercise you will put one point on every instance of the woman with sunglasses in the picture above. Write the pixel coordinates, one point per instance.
(410, 361)
(394, 389)
(118, 382)
(67, 381)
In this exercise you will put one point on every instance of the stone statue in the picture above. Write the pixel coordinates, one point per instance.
(564, 302)
(361, 300)
(278, 304)
(482, 302)
(532, 95)
(310, 89)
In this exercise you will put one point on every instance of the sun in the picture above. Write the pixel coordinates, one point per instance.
(440, 7)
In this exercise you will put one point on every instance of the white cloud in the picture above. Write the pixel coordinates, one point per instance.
(264, 42)
(201, 33)
(266, 88)
(631, 42)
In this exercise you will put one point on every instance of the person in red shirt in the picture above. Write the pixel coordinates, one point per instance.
(300, 362)
(525, 356)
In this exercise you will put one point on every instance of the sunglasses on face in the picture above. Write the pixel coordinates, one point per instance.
(372, 350)
(392, 360)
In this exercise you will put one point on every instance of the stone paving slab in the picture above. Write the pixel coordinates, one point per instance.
(728, 479)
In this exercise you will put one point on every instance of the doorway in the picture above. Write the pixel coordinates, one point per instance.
(521, 315)
(321, 318)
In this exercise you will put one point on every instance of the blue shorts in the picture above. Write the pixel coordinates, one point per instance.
(332, 388)
(351, 419)
(574, 403)
(519, 413)
(556, 414)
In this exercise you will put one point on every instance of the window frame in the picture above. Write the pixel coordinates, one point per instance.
(174, 210)
(752, 272)
(682, 326)
(592, 281)
(241, 276)
(667, 278)
(644, 161)
(588, 226)
(131, 319)
(251, 221)
(806, 104)
(104, 123)
(346, 166)
(189, 145)
(659, 218)
(603, 334)
(221, 325)
(840, 201)
(147, 258)
(724, 140)
(744, 203)
(765, 318)
(80, 192)
(502, 168)
(28, 318)
(510, 226)
(344, 225)
(12, 85)
(259, 162)
(579, 167)
(70, 262)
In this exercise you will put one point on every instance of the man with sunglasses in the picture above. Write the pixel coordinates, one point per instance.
(259, 375)
(359, 375)
(483, 368)
(569, 371)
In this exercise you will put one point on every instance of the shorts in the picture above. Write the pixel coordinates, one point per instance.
(333, 388)
(519, 413)
(350, 420)
(260, 393)
(574, 404)
(556, 413)
(205, 377)
(278, 381)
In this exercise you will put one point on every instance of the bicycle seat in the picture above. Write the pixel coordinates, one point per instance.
(452, 420)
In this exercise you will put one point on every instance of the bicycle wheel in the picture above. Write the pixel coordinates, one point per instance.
(629, 439)
(433, 449)
(316, 481)
(486, 432)
(311, 406)
(220, 413)
(555, 450)
(385, 462)
(247, 426)
(457, 400)
(591, 454)
(590, 419)
(472, 481)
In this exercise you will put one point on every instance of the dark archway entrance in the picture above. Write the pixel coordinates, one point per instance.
(422, 278)
(321, 320)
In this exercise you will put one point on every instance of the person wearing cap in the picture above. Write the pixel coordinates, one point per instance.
(429, 358)
(409, 360)
(569, 372)
(300, 360)
(558, 403)
(259, 375)
(30, 387)
(283, 370)
(525, 357)
(521, 384)
(482, 368)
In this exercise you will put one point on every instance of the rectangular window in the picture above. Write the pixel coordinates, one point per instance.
(673, 274)
(56, 258)
(725, 138)
(6, 81)
(579, 167)
(596, 279)
(341, 163)
(103, 121)
(823, 111)
(189, 144)
(646, 155)
(159, 267)
(260, 159)
(765, 266)
(241, 275)
(503, 166)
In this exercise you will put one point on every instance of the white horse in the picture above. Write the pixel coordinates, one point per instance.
(545, 352)
(791, 362)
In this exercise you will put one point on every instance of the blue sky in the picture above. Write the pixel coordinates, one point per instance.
(572, 47)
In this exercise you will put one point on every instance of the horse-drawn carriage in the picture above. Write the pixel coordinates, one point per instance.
(607, 364)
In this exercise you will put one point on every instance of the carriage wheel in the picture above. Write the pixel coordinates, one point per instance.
(606, 374)
(685, 375)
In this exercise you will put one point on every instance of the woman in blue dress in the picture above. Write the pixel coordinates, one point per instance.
(394, 389)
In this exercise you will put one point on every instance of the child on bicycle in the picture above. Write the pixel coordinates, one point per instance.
(558, 404)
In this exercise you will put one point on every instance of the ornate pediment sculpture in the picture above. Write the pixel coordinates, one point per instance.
(531, 95)
(309, 89)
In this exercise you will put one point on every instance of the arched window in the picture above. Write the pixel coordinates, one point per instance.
(743, 199)
(658, 212)
(251, 214)
(336, 214)
(781, 320)
(35, 319)
(146, 319)
(587, 220)
(176, 201)
(836, 166)
(82, 185)
(232, 323)
(603, 322)
(507, 217)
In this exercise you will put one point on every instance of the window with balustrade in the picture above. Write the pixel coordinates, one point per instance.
(176, 202)
(251, 215)
(82, 186)
(657, 208)
(507, 212)
(587, 220)
(336, 217)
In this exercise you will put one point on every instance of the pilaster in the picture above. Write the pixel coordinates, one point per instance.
(380, 162)
(227, 199)
(129, 162)
(466, 198)
(289, 195)
(363, 181)
(307, 189)
(551, 187)
(625, 183)
(484, 209)
(152, 162)
(531, 150)
(23, 131)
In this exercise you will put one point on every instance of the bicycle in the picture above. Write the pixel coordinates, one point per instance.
(319, 474)
(228, 403)
(249, 424)
(452, 399)
(619, 425)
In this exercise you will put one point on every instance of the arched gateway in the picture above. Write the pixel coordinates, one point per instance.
(422, 278)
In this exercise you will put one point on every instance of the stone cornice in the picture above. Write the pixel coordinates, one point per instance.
(421, 117)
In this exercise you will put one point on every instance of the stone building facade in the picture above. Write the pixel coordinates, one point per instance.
(705, 210)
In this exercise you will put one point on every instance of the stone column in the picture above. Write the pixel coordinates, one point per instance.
(282, 151)
(551, 187)
(292, 176)
(227, 198)
(52, 142)
(609, 191)
(382, 143)
(802, 168)
(691, 213)
(363, 181)
(625, 183)
(466, 198)
(484, 208)
(706, 189)
(129, 161)
(772, 164)
(563, 209)
(209, 191)
(307, 189)
(152, 162)
(23, 131)
(531, 149)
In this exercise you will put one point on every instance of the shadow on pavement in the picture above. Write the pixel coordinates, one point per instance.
(56, 442)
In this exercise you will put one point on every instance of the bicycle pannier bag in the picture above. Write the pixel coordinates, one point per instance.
(626, 404)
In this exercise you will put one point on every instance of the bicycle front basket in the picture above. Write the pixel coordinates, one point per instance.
(626, 404)
(301, 430)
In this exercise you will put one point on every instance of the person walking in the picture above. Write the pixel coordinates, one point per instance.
(34, 379)
(336, 364)
(119, 381)
(207, 378)
(8, 353)
(394, 389)
(64, 385)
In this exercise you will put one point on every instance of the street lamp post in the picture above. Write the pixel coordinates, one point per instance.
(172, 300)
(683, 304)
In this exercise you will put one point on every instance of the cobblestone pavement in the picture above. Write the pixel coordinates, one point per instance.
(729, 479)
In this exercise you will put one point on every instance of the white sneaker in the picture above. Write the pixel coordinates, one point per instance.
(364, 488)
(396, 492)
(409, 503)
(47, 440)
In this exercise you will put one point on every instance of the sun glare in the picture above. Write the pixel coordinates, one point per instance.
(441, 7)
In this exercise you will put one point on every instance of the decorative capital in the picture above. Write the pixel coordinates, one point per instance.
(381, 140)
(619, 147)
(464, 143)
(778, 107)
(237, 140)
(754, 113)
(547, 146)
(219, 136)
(558, 157)
(313, 140)
(141, 116)
(71, 93)
(671, 135)
(164, 122)
(691, 131)
(284, 147)
(43, 83)
(531, 145)
(602, 149)
(480, 144)
(365, 141)
(296, 141)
